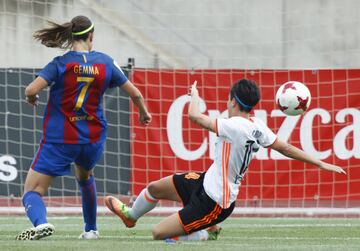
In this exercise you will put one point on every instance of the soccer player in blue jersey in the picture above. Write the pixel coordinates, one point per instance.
(74, 127)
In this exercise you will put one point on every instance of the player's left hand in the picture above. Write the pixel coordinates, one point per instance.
(33, 100)
(332, 168)
(145, 118)
(193, 89)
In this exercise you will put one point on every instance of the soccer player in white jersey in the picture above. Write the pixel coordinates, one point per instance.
(209, 198)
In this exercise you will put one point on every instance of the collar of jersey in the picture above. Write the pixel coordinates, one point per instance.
(80, 52)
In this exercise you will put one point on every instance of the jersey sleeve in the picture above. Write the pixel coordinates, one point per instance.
(118, 77)
(267, 137)
(223, 128)
(49, 72)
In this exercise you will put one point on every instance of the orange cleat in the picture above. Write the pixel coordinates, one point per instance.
(121, 210)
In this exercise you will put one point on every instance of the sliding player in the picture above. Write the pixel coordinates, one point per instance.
(209, 197)
(74, 127)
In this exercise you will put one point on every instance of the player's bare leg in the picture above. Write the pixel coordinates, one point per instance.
(36, 184)
(87, 186)
(145, 202)
(171, 228)
(168, 228)
(164, 189)
(82, 174)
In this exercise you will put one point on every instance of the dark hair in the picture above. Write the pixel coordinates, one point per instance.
(246, 94)
(61, 35)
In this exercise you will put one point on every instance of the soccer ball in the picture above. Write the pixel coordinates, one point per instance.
(293, 98)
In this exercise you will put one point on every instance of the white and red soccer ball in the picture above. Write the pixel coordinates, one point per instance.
(293, 98)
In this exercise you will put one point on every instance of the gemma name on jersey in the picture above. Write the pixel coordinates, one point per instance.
(86, 69)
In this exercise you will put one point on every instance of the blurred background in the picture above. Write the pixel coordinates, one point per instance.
(274, 34)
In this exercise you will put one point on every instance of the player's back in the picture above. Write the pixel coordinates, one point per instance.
(77, 81)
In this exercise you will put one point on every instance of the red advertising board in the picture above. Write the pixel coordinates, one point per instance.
(328, 131)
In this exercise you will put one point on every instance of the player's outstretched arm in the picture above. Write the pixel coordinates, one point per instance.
(194, 113)
(295, 153)
(138, 100)
(33, 89)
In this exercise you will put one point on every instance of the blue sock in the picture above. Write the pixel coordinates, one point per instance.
(89, 204)
(35, 208)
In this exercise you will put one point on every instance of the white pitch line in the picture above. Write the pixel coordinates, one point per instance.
(290, 238)
(238, 210)
(240, 225)
(146, 226)
(148, 238)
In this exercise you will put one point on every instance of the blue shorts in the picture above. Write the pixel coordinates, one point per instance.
(55, 159)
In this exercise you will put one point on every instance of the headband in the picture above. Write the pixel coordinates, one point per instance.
(242, 103)
(84, 31)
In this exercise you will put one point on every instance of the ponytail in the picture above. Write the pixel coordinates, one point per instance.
(57, 35)
(63, 35)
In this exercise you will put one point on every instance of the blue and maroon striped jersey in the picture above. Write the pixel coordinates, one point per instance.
(78, 80)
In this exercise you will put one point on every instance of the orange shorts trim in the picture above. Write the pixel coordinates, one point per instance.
(216, 127)
(214, 214)
(181, 223)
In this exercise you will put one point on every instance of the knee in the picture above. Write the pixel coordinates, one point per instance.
(83, 176)
(157, 234)
(154, 189)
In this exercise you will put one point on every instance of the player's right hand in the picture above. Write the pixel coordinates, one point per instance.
(33, 100)
(193, 89)
(332, 168)
(145, 118)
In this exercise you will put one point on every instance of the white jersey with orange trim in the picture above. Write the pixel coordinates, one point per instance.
(238, 139)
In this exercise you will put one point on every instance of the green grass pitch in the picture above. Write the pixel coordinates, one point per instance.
(238, 234)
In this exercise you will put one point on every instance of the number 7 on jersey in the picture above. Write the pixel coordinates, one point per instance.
(80, 99)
